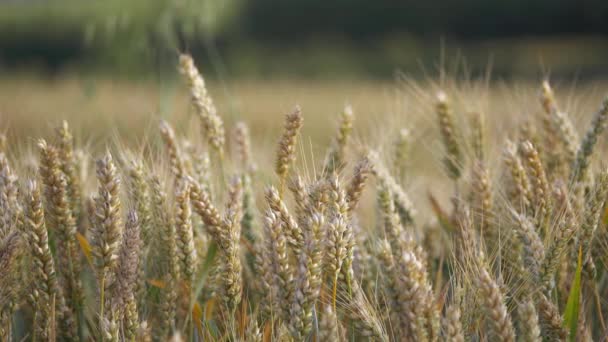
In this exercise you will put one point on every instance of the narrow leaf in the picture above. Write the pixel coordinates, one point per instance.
(86, 248)
(573, 304)
(157, 283)
(442, 216)
(197, 317)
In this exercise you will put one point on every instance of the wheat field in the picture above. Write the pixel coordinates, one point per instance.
(446, 209)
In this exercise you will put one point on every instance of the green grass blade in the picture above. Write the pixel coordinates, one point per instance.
(444, 219)
(206, 268)
(573, 304)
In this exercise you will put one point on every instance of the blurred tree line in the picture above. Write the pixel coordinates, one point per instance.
(465, 19)
(370, 37)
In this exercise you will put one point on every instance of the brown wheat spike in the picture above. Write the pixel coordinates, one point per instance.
(248, 222)
(547, 98)
(552, 155)
(393, 230)
(188, 151)
(551, 321)
(176, 337)
(419, 293)
(10, 209)
(467, 247)
(402, 153)
(433, 313)
(163, 224)
(540, 185)
(482, 202)
(594, 208)
(70, 167)
(561, 122)
(45, 281)
(248, 168)
(534, 251)
(562, 235)
(249, 232)
(203, 103)
(291, 227)
(401, 200)
(493, 300)
(107, 232)
(127, 270)
(10, 254)
(61, 221)
(287, 145)
(273, 261)
(130, 323)
(336, 156)
(308, 273)
(2, 143)
(317, 193)
(330, 328)
(300, 196)
(528, 322)
(359, 256)
(357, 308)
(11, 215)
(513, 254)
(230, 246)
(581, 162)
(243, 147)
(528, 132)
(176, 159)
(362, 171)
(143, 332)
(453, 331)
(254, 333)
(139, 192)
(400, 319)
(202, 171)
(415, 295)
(202, 206)
(90, 203)
(339, 234)
(478, 135)
(583, 329)
(185, 236)
(519, 190)
(453, 158)
(109, 329)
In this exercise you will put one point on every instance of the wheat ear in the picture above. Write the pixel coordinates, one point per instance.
(203, 103)
(453, 158)
(287, 145)
(585, 150)
(336, 156)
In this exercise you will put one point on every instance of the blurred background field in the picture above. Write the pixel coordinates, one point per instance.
(110, 66)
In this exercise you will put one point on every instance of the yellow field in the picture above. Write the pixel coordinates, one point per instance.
(30, 106)
(105, 112)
